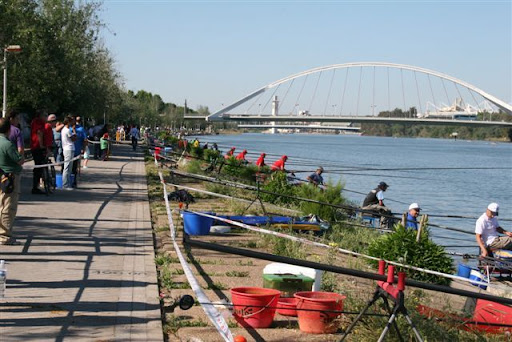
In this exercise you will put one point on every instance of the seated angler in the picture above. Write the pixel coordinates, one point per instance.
(412, 215)
(241, 157)
(316, 177)
(279, 164)
(487, 229)
(374, 201)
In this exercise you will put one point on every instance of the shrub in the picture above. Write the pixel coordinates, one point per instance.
(278, 185)
(401, 246)
(331, 195)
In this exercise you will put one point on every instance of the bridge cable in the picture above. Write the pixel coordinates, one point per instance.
(359, 90)
(445, 91)
(458, 91)
(373, 92)
(474, 99)
(418, 93)
(343, 93)
(432, 91)
(389, 95)
(300, 92)
(271, 97)
(403, 91)
(286, 94)
(256, 100)
(330, 90)
(314, 92)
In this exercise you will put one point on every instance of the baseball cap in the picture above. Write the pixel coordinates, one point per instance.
(414, 206)
(52, 117)
(494, 207)
(383, 185)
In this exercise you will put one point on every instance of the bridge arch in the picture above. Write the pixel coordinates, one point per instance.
(494, 100)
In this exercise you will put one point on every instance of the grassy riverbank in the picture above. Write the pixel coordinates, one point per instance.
(218, 272)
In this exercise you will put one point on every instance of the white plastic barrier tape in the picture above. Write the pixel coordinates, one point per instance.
(30, 167)
(318, 244)
(213, 314)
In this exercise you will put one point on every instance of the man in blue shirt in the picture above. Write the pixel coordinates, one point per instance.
(80, 143)
(316, 177)
(411, 220)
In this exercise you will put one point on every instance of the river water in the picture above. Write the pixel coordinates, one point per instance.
(468, 175)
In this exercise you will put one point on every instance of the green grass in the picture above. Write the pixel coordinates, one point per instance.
(240, 274)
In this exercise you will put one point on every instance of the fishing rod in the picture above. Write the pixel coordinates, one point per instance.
(353, 191)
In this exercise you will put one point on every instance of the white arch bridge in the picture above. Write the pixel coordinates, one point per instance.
(373, 92)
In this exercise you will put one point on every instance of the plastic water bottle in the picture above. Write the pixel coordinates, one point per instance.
(3, 278)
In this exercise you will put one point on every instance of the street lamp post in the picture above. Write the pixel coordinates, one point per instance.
(9, 48)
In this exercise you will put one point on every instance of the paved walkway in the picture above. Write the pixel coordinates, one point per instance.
(85, 269)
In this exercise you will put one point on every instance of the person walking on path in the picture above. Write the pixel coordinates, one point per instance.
(68, 147)
(134, 132)
(411, 221)
(316, 177)
(487, 229)
(374, 201)
(15, 135)
(38, 150)
(10, 163)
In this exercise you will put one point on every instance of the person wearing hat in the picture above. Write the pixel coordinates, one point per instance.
(412, 215)
(279, 164)
(261, 161)
(241, 157)
(374, 201)
(230, 153)
(487, 229)
(316, 177)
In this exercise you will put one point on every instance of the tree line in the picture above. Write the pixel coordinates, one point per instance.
(431, 131)
(65, 68)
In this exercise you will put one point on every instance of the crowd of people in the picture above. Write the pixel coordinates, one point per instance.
(65, 140)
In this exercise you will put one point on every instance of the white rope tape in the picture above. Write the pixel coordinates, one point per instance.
(30, 167)
(318, 244)
(213, 314)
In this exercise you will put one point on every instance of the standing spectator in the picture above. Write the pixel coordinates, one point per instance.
(68, 147)
(279, 164)
(316, 177)
(10, 162)
(80, 142)
(38, 149)
(134, 133)
(57, 141)
(15, 135)
(48, 136)
(104, 147)
(412, 216)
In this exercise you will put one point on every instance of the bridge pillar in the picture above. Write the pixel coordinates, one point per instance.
(275, 111)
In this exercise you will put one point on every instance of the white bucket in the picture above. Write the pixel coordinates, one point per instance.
(476, 275)
(280, 268)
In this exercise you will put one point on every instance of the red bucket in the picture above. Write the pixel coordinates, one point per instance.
(322, 319)
(287, 306)
(254, 307)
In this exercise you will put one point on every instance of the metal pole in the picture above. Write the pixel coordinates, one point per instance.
(4, 95)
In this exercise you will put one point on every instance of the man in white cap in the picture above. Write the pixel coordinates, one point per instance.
(412, 215)
(487, 229)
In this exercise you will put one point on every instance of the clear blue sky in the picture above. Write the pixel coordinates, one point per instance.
(214, 53)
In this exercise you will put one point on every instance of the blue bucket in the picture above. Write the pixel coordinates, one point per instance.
(58, 181)
(463, 270)
(476, 275)
(197, 224)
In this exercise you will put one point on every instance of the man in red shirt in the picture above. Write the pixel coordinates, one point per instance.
(48, 135)
(38, 149)
(279, 164)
